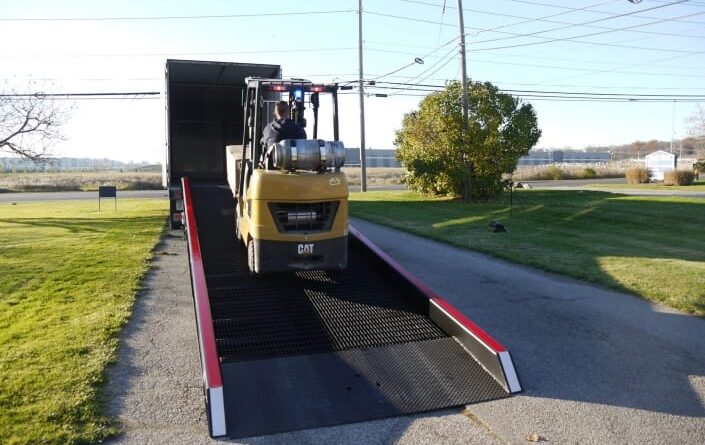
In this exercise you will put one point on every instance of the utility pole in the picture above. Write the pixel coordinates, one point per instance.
(464, 81)
(463, 64)
(363, 164)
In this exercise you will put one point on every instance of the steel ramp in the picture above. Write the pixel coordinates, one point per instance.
(315, 348)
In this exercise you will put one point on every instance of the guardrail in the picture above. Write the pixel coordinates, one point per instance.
(210, 364)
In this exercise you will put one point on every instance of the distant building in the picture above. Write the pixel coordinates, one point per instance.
(373, 158)
(545, 157)
(660, 162)
(17, 164)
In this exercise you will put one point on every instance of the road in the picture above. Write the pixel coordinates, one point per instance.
(69, 196)
(601, 185)
(598, 367)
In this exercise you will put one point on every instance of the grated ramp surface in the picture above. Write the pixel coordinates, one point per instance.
(306, 312)
(315, 348)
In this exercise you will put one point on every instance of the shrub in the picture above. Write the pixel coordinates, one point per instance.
(588, 173)
(637, 175)
(554, 172)
(678, 177)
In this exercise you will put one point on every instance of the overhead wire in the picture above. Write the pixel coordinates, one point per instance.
(547, 39)
(440, 61)
(589, 22)
(166, 54)
(173, 17)
(572, 38)
(546, 19)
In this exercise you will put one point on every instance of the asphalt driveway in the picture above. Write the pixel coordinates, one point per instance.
(597, 366)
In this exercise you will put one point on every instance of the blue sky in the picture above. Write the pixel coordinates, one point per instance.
(543, 45)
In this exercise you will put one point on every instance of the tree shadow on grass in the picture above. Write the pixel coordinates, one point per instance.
(85, 225)
(572, 341)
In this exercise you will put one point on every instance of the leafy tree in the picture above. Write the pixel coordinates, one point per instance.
(443, 158)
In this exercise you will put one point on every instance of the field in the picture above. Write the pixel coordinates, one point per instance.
(698, 186)
(652, 247)
(568, 171)
(375, 175)
(78, 181)
(69, 279)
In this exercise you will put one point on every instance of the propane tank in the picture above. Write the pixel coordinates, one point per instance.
(308, 154)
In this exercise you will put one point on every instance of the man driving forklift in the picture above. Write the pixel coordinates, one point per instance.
(282, 127)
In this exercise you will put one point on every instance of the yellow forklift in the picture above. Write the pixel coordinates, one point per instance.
(292, 198)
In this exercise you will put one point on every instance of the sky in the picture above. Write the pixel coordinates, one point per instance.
(599, 47)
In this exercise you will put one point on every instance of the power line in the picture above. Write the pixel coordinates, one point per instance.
(566, 10)
(546, 39)
(416, 60)
(584, 93)
(541, 94)
(449, 56)
(106, 94)
(166, 54)
(173, 17)
(572, 38)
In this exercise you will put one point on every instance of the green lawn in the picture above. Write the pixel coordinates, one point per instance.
(653, 247)
(68, 280)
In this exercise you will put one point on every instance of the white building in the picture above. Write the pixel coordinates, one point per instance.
(660, 162)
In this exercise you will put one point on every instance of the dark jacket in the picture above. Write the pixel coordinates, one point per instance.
(282, 129)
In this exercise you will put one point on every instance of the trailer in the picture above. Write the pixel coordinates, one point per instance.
(312, 348)
(204, 113)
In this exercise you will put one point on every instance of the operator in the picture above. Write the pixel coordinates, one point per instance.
(282, 127)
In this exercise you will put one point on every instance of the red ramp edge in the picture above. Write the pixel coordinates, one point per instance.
(486, 350)
(212, 378)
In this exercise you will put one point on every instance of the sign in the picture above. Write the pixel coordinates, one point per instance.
(107, 191)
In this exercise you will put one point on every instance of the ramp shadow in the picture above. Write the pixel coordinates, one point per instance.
(571, 340)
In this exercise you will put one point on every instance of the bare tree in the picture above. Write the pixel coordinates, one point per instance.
(29, 124)
(696, 130)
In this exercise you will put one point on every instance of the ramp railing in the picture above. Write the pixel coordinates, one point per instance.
(494, 357)
(210, 364)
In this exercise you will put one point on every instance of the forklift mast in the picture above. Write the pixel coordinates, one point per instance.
(260, 97)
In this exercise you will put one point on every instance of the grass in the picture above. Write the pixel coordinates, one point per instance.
(78, 181)
(698, 186)
(649, 246)
(69, 279)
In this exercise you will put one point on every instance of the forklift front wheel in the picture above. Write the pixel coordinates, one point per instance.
(251, 256)
(238, 233)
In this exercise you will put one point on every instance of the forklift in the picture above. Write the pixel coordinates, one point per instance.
(291, 197)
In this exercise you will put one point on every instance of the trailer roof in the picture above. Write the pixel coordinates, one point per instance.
(217, 73)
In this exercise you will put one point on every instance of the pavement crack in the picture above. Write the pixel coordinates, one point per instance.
(484, 425)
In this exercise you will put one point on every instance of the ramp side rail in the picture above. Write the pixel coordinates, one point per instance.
(212, 378)
(494, 357)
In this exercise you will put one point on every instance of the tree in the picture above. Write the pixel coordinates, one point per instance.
(29, 123)
(438, 153)
(696, 130)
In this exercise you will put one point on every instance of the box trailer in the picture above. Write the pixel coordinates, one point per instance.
(204, 113)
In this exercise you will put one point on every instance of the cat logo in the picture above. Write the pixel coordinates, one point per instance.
(335, 181)
(305, 249)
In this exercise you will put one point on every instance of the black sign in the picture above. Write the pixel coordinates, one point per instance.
(107, 191)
